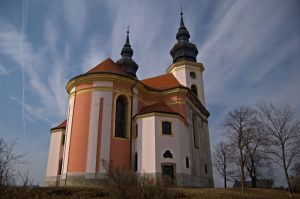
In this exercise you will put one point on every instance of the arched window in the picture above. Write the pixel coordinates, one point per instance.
(168, 154)
(194, 89)
(121, 112)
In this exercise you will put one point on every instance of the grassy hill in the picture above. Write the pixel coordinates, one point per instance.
(64, 193)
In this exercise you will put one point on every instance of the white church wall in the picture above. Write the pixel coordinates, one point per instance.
(106, 97)
(137, 144)
(147, 144)
(182, 74)
(184, 138)
(54, 153)
(175, 143)
(106, 122)
(68, 132)
(198, 81)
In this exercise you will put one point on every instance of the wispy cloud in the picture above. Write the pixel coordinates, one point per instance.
(51, 94)
(251, 54)
(94, 54)
(75, 16)
(3, 70)
(243, 47)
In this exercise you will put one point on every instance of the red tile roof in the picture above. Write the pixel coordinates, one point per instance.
(162, 82)
(160, 107)
(61, 126)
(157, 107)
(108, 66)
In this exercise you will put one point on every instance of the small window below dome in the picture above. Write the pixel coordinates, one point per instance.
(194, 89)
(168, 154)
(193, 75)
(63, 139)
(166, 128)
(59, 167)
(135, 162)
(187, 162)
(136, 131)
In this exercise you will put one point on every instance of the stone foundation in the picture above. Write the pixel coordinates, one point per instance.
(99, 179)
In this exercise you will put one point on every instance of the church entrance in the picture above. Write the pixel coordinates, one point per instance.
(168, 173)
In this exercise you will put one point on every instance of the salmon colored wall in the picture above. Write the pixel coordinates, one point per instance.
(80, 131)
(123, 86)
(119, 148)
(120, 153)
(83, 86)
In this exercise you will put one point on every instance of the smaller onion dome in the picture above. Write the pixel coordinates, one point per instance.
(183, 49)
(126, 62)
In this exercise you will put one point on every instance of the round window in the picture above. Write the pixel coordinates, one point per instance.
(193, 75)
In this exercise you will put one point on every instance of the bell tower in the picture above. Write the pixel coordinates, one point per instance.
(185, 67)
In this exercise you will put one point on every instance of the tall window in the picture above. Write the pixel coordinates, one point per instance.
(194, 89)
(166, 128)
(59, 167)
(187, 162)
(195, 132)
(205, 168)
(135, 162)
(63, 139)
(136, 130)
(121, 111)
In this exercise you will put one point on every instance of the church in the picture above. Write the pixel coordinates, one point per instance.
(156, 126)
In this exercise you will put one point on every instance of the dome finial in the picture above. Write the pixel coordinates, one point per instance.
(181, 18)
(127, 37)
(127, 50)
(181, 8)
(183, 49)
(126, 62)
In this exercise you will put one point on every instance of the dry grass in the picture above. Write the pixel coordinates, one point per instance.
(72, 192)
(235, 193)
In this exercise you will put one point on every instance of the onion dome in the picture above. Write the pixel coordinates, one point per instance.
(183, 49)
(126, 62)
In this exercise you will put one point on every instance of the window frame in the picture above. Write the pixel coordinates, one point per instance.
(136, 131)
(171, 128)
(127, 121)
(135, 163)
(195, 131)
(194, 90)
(187, 162)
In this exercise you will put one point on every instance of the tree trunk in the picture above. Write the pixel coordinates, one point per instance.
(288, 181)
(242, 174)
(225, 181)
(254, 185)
(254, 182)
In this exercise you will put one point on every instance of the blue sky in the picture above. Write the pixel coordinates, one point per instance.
(250, 49)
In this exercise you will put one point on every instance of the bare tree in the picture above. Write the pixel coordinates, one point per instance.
(256, 159)
(283, 133)
(8, 159)
(238, 124)
(295, 181)
(223, 159)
